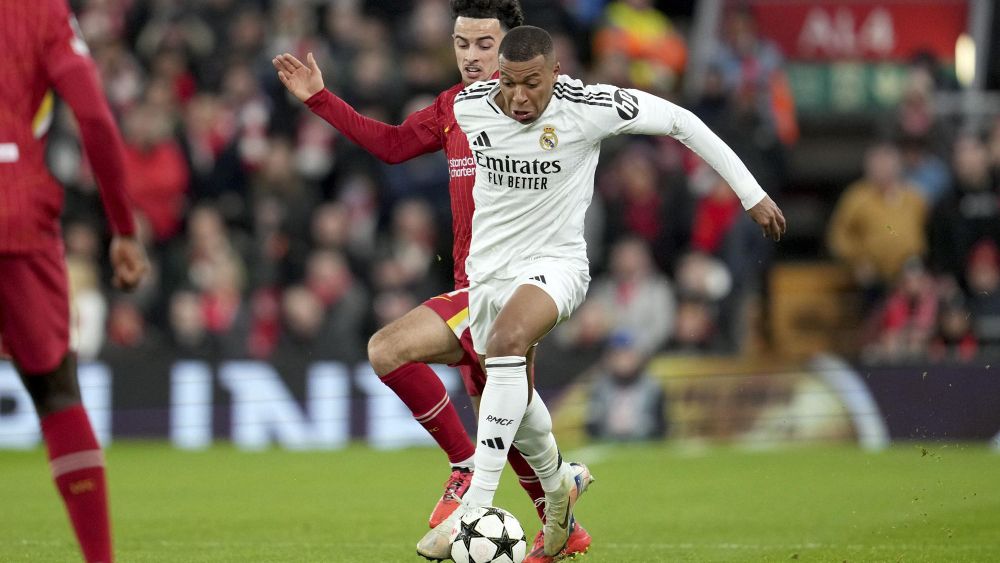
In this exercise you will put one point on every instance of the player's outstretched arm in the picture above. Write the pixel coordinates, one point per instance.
(302, 80)
(389, 143)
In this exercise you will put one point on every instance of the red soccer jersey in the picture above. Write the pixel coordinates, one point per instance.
(430, 129)
(40, 49)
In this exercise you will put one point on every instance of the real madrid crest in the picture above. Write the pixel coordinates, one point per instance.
(548, 140)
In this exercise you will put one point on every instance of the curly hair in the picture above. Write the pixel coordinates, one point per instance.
(508, 12)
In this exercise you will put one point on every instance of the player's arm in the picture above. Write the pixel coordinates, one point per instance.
(634, 111)
(73, 74)
(393, 144)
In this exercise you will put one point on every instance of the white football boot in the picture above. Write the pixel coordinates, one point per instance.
(436, 544)
(559, 506)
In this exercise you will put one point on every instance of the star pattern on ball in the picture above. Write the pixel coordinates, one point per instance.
(495, 512)
(505, 544)
(468, 533)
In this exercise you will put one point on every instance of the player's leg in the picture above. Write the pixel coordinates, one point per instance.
(399, 354)
(34, 326)
(524, 318)
(579, 539)
(525, 474)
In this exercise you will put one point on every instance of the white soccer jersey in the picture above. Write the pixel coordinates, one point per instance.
(534, 182)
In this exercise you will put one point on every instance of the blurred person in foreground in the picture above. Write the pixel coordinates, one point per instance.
(878, 223)
(437, 331)
(41, 51)
(626, 403)
(528, 265)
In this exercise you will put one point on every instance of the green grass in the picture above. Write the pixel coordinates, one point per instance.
(649, 504)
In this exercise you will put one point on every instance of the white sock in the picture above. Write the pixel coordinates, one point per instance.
(536, 443)
(467, 463)
(504, 400)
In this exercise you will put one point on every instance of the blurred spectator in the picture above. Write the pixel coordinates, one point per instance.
(983, 275)
(626, 403)
(924, 169)
(704, 287)
(88, 307)
(391, 305)
(407, 254)
(303, 317)
(188, 333)
(752, 69)
(129, 337)
(343, 302)
(156, 170)
(954, 339)
(635, 297)
(907, 321)
(637, 31)
(970, 213)
(879, 221)
(994, 145)
(647, 203)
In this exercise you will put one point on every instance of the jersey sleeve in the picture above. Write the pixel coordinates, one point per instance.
(63, 47)
(418, 134)
(73, 75)
(636, 112)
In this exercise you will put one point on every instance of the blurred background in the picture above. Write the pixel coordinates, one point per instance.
(279, 247)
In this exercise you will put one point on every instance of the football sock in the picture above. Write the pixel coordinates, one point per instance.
(467, 463)
(527, 478)
(420, 389)
(505, 397)
(538, 446)
(78, 471)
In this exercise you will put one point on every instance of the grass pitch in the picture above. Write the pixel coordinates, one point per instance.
(651, 503)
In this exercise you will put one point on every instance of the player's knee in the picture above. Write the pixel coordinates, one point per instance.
(54, 391)
(382, 354)
(508, 342)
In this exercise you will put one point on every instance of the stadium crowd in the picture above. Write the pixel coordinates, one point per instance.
(272, 235)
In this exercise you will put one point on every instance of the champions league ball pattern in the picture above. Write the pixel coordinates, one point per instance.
(488, 535)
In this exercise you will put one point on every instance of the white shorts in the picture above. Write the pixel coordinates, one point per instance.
(566, 284)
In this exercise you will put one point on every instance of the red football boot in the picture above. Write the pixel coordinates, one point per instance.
(454, 488)
(578, 544)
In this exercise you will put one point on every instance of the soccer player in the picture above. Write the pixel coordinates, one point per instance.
(438, 330)
(41, 49)
(536, 139)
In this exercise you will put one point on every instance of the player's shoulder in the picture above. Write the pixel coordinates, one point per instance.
(476, 91)
(578, 93)
(448, 96)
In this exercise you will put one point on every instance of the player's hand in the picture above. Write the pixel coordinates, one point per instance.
(302, 80)
(769, 217)
(128, 259)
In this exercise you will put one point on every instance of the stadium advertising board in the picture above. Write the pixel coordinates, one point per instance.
(254, 404)
(832, 30)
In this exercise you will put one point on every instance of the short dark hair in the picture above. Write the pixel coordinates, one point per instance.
(508, 12)
(525, 43)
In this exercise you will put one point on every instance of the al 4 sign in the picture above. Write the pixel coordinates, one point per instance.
(854, 29)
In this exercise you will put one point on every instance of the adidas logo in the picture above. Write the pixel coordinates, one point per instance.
(495, 443)
(482, 141)
(538, 278)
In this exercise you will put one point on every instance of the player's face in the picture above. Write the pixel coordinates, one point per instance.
(526, 87)
(476, 41)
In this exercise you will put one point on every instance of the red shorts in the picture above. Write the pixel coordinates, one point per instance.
(34, 309)
(453, 308)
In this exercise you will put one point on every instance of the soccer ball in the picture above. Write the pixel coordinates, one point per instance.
(488, 535)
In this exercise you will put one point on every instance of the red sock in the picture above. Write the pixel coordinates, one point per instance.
(528, 480)
(78, 470)
(419, 387)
